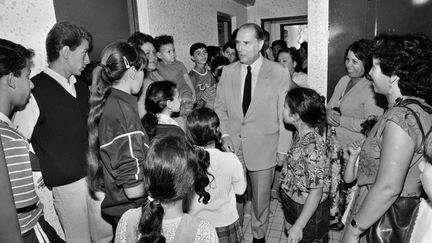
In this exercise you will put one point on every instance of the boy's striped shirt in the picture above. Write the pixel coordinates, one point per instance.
(16, 150)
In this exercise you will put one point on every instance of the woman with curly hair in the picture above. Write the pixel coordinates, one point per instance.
(388, 174)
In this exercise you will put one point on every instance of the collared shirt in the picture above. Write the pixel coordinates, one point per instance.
(6, 119)
(68, 85)
(255, 68)
(27, 118)
(165, 119)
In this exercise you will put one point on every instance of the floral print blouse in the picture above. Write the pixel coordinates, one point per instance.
(307, 167)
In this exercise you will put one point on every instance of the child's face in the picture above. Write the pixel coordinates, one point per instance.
(288, 117)
(167, 53)
(231, 54)
(200, 56)
(174, 105)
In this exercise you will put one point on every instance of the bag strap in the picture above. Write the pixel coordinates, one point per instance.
(405, 103)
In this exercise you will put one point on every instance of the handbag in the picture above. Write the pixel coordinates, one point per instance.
(397, 224)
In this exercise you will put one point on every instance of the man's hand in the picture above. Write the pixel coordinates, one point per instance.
(227, 144)
(280, 158)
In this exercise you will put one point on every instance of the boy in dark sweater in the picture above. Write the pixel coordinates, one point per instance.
(60, 134)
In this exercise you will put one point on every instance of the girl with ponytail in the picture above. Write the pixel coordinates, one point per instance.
(161, 100)
(305, 176)
(169, 171)
(225, 173)
(117, 141)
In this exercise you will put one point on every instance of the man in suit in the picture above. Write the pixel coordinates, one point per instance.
(249, 102)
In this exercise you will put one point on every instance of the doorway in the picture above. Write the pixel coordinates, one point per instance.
(293, 30)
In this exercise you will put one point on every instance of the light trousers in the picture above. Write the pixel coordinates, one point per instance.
(79, 214)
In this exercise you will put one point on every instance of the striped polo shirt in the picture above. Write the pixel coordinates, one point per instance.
(16, 150)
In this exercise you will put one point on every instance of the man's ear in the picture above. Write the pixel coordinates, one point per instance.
(65, 52)
(260, 43)
(11, 80)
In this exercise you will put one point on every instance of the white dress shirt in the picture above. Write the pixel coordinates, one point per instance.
(255, 68)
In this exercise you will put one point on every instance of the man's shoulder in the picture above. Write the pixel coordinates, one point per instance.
(274, 66)
(231, 67)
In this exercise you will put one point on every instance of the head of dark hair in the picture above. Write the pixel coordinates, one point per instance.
(196, 46)
(304, 45)
(65, 34)
(234, 34)
(111, 70)
(138, 39)
(362, 49)
(202, 127)
(217, 62)
(266, 34)
(213, 51)
(259, 33)
(407, 56)
(13, 57)
(281, 43)
(157, 96)
(308, 104)
(295, 56)
(229, 44)
(163, 40)
(170, 173)
(368, 124)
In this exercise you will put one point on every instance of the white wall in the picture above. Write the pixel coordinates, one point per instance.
(189, 21)
(318, 35)
(264, 9)
(27, 23)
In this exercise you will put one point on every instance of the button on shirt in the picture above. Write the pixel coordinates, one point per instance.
(255, 68)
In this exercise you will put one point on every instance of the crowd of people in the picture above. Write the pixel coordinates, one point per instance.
(146, 151)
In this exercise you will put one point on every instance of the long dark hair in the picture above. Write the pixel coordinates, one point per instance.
(158, 93)
(171, 164)
(201, 130)
(111, 69)
(308, 104)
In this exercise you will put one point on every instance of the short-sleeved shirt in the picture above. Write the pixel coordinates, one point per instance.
(16, 150)
(202, 81)
(371, 150)
(307, 167)
(175, 73)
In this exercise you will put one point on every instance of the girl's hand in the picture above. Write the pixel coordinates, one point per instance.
(295, 234)
(355, 147)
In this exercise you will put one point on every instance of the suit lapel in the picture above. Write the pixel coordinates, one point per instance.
(236, 89)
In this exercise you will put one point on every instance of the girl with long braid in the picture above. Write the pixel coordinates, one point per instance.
(117, 141)
(171, 172)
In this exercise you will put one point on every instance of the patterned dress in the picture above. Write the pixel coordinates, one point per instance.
(307, 167)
